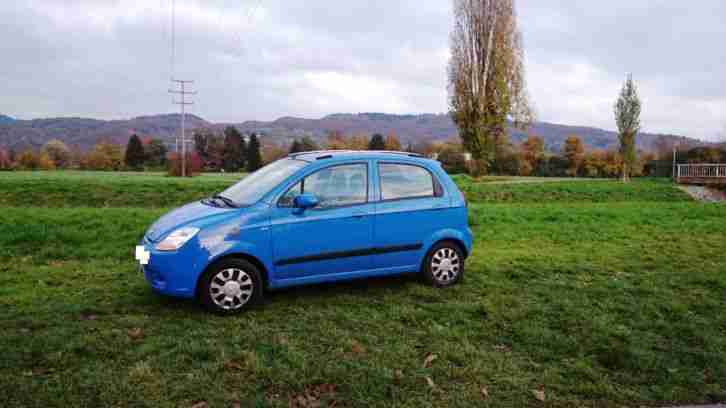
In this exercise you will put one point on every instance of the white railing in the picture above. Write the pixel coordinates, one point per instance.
(701, 171)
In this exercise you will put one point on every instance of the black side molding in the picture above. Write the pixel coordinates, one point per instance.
(349, 254)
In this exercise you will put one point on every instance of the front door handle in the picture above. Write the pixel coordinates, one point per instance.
(359, 214)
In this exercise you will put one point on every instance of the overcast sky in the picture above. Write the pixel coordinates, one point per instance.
(262, 59)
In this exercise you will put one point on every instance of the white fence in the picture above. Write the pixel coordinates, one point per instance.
(701, 171)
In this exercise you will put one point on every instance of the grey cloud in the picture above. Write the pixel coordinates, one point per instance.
(111, 58)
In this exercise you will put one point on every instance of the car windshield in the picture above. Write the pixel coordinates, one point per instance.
(253, 187)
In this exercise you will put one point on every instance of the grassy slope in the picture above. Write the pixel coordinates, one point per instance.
(597, 303)
(106, 189)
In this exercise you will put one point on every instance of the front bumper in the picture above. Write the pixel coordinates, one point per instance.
(171, 273)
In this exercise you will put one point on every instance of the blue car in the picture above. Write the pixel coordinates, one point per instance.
(308, 218)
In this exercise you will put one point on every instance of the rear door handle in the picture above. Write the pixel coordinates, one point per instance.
(359, 214)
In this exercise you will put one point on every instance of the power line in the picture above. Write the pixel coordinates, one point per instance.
(172, 56)
(182, 102)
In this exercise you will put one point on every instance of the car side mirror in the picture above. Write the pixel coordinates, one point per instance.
(304, 201)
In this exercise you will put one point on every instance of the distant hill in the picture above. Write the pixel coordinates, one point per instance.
(84, 133)
(6, 119)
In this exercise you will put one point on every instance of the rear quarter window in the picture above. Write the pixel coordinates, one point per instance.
(400, 181)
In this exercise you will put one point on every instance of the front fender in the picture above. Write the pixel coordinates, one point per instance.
(247, 235)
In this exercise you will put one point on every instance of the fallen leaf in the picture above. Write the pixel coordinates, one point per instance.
(312, 396)
(236, 404)
(397, 376)
(200, 404)
(484, 392)
(232, 365)
(356, 347)
(430, 382)
(539, 395)
(429, 359)
(137, 333)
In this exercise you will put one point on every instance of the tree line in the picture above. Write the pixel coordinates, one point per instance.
(230, 151)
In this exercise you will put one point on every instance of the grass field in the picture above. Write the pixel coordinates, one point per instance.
(581, 293)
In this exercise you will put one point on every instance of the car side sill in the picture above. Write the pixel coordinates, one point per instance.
(367, 273)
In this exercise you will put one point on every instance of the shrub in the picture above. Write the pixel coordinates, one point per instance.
(28, 160)
(104, 156)
(193, 164)
(45, 162)
(58, 153)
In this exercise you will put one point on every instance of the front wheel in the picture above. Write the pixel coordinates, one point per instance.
(444, 264)
(230, 286)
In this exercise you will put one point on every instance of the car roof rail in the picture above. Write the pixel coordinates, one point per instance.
(293, 155)
(411, 154)
(326, 154)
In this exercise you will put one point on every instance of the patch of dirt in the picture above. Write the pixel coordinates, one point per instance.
(705, 194)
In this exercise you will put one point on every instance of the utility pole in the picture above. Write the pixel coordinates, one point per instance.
(183, 102)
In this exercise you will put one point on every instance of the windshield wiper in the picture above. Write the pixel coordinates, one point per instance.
(226, 200)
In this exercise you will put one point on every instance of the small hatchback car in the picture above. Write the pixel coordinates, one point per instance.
(311, 217)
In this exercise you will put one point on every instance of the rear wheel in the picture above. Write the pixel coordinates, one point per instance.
(230, 286)
(444, 264)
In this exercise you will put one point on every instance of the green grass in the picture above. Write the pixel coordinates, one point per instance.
(596, 293)
(106, 189)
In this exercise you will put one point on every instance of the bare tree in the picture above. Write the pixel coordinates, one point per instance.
(486, 76)
(627, 118)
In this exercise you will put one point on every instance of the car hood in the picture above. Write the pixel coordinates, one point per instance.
(182, 216)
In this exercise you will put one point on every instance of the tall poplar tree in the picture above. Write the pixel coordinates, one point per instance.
(486, 77)
(627, 118)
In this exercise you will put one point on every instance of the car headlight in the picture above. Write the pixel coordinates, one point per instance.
(177, 239)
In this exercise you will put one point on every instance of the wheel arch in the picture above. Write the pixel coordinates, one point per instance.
(234, 255)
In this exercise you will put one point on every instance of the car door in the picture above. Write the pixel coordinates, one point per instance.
(335, 237)
(407, 214)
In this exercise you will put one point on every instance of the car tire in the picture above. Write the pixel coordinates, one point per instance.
(230, 286)
(443, 265)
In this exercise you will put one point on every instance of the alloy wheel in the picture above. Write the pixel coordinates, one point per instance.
(445, 264)
(231, 288)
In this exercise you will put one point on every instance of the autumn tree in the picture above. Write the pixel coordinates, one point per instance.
(377, 142)
(27, 160)
(135, 154)
(45, 162)
(358, 142)
(209, 148)
(574, 153)
(155, 151)
(295, 147)
(392, 143)
(627, 118)
(532, 152)
(201, 144)
(336, 141)
(308, 145)
(5, 162)
(486, 76)
(57, 152)
(272, 152)
(254, 156)
(104, 156)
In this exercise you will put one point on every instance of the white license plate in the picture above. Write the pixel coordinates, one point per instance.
(142, 255)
